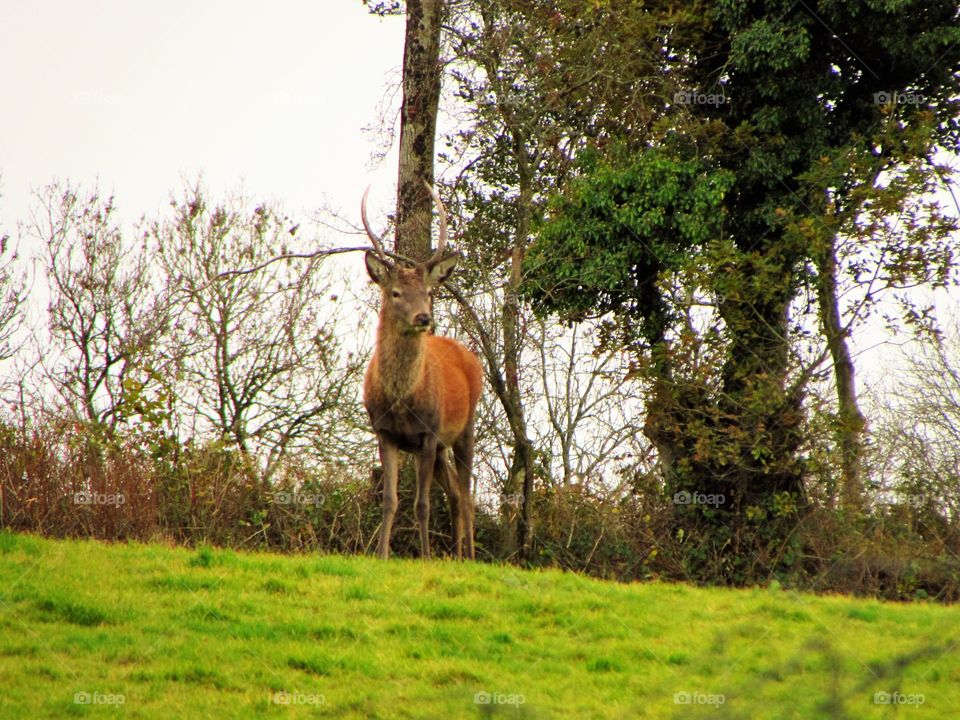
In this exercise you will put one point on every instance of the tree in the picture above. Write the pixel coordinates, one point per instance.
(917, 437)
(105, 318)
(259, 357)
(874, 224)
(12, 298)
(422, 80)
(590, 403)
(719, 201)
(533, 83)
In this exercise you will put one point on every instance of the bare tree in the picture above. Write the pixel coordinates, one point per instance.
(862, 254)
(12, 298)
(586, 397)
(104, 316)
(580, 403)
(261, 361)
(530, 80)
(918, 433)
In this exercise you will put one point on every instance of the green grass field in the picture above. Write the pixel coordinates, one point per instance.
(149, 631)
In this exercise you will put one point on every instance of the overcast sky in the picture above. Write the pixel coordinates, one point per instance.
(147, 96)
(144, 98)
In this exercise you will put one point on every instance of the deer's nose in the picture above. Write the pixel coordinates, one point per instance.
(422, 320)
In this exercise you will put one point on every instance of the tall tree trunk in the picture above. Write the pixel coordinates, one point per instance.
(852, 421)
(418, 125)
(520, 481)
(764, 413)
(521, 470)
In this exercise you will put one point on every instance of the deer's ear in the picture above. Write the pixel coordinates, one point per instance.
(378, 270)
(440, 270)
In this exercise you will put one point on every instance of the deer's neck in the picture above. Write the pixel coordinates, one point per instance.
(400, 359)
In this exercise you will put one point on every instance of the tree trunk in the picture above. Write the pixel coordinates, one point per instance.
(852, 421)
(738, 445)
(757, 409)
(418, 125)
(520, 481)
(521, 470)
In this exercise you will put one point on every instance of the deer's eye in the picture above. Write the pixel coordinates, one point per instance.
(396, 293)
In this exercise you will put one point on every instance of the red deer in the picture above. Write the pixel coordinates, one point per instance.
(421, 390)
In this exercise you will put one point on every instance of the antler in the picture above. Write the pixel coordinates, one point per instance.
(442, 238)
(378, 242)
(374, 238)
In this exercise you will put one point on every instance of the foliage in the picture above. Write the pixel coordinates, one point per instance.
(767, 97)
(618, 230)
(688, 186)
(82, 480)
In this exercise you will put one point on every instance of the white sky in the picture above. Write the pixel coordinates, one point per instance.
(144, 97)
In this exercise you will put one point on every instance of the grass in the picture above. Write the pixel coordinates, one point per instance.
(149, 631)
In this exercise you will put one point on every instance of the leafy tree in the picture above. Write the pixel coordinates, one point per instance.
(726, 204)
(532, 82)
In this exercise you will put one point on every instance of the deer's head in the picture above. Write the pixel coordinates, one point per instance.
(407, 290)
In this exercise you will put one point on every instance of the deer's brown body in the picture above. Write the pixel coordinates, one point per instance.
(421, 392)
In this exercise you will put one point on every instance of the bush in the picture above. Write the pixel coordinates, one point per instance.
(68, 479)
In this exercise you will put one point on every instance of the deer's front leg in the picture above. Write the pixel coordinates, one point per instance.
(388, 459)
(425, 461)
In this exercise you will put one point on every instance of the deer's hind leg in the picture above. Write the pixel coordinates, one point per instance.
(451, 488)
(463, 458)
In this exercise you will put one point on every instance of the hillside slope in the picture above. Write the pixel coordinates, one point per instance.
(149, 631)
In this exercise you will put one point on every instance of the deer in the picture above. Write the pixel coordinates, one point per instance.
(420, 390)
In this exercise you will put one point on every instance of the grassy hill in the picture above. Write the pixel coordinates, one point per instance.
(149, 631)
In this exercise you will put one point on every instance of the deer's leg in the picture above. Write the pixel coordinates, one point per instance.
(425, 462)
(388, 459)
(451, 487)
(463, 457)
